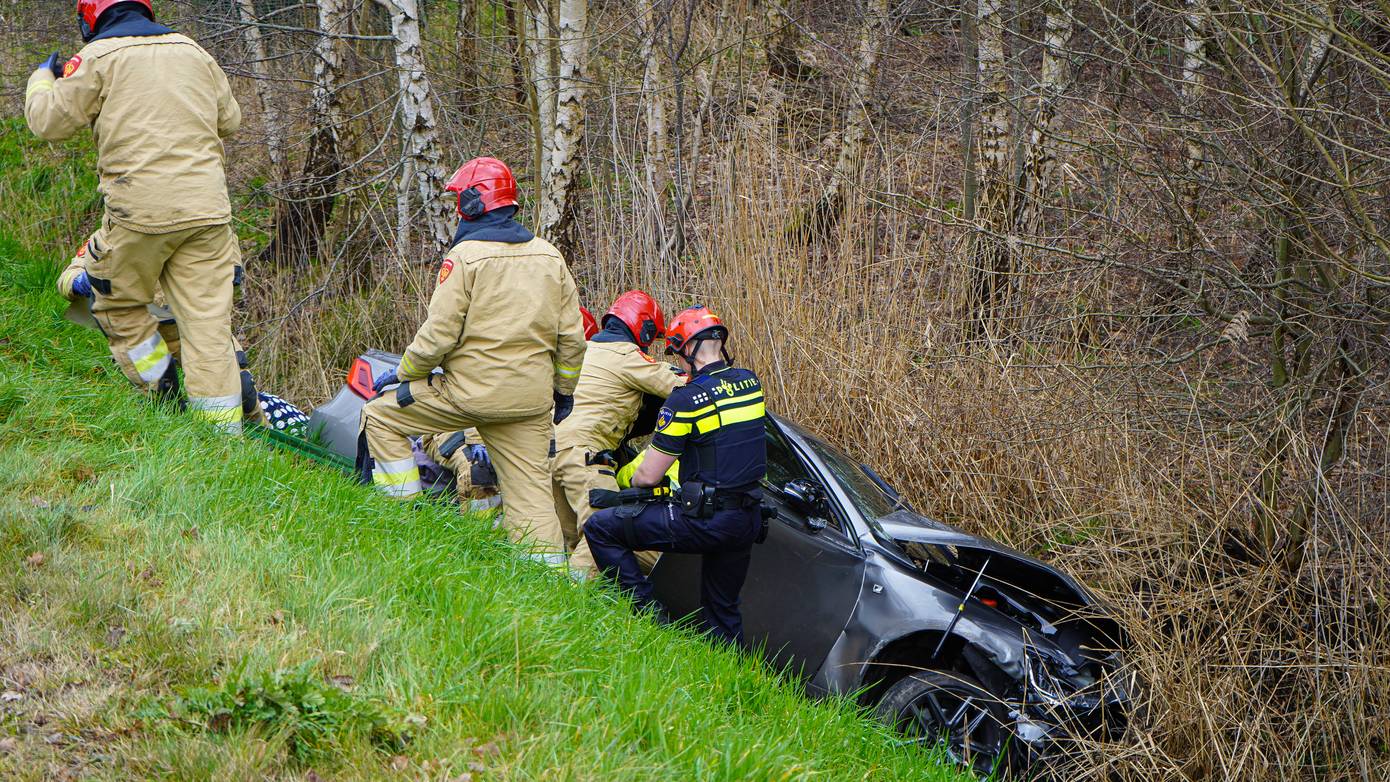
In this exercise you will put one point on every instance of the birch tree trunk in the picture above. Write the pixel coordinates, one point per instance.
(561, 173)
(849, 163)
(849, 160)
(656, 163)
(991, 263)
(541, 59)
(422, 175)
(1040, 159)
(303, 217)
(656, 158)
(1190, 91)
(273, 118)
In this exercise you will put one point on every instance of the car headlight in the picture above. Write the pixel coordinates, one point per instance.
(1053, 678)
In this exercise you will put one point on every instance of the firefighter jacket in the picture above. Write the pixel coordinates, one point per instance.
(159, 107)
(611, 388)
(504, 325)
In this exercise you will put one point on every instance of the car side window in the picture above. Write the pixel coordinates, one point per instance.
(782, 464)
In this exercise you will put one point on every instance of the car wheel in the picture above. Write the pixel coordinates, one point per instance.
(931, 707)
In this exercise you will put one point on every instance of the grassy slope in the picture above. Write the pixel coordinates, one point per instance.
(141, 556)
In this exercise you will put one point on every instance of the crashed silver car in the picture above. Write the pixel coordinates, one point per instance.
(946, 635)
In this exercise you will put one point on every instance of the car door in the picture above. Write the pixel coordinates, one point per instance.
(802, 585)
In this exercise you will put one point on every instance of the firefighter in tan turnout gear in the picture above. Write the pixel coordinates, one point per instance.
(75, 285)
(159, 107)
(504, 328)
(618, 377)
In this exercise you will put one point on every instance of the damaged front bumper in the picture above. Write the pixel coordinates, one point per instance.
(1063, 706)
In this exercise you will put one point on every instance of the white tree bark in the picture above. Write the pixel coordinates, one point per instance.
(873, 35)
(991, 257)
(561, 173)
(302, 217)
(335, 17)
(994, 97)
(422, 175)
(1040, 160)
(656, 160)
(541, 55)
(271, 114)
(1190, 93)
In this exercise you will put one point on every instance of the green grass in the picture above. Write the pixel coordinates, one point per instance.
(177, 605)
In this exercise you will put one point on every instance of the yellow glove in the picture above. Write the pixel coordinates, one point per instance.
(624, 474)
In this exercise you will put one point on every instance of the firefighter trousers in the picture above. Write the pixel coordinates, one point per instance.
(572, 479)
(520, 453)
(195, 268)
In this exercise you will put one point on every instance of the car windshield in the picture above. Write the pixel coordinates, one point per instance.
(868, 498)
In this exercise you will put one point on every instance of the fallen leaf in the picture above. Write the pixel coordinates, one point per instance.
(55, 738)
(466, 776)
(342, 682)
(39, 502)
(83, 474)
(399, 763)
(192, 533)
(8, 745)
(415, 720)
(10, 696)
(474, 765)
(277, 617)
(36, 559)
(487, 750)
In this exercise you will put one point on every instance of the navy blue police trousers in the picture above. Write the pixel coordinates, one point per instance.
(725, 541)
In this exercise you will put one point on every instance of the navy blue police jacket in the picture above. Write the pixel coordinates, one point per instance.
(715, 425)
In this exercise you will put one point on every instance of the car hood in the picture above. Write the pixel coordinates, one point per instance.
(970, 551)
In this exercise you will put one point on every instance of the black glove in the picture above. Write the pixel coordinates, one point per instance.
(564, 403)
(54, 64)
(388, 379)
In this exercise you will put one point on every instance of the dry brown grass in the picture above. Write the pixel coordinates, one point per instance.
(1069, 441)
(1112, 468)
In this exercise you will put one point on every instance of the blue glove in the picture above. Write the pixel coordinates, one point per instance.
(81, 285)
(478, 455)
(53, 65)
(388, 379)
(564, 403)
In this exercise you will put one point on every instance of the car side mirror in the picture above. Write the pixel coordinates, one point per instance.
(806, 498)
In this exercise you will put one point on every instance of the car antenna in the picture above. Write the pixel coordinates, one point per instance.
(960, 609)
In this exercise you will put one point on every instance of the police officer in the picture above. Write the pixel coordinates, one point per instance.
(159, 107)
(75, 285)
(714, 425)
(504, 327)
(617, 380)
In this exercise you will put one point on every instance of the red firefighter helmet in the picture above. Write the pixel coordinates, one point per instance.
(641, 314)
(89, 11)
(590, 325)
(483, 184)
(692, 325)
